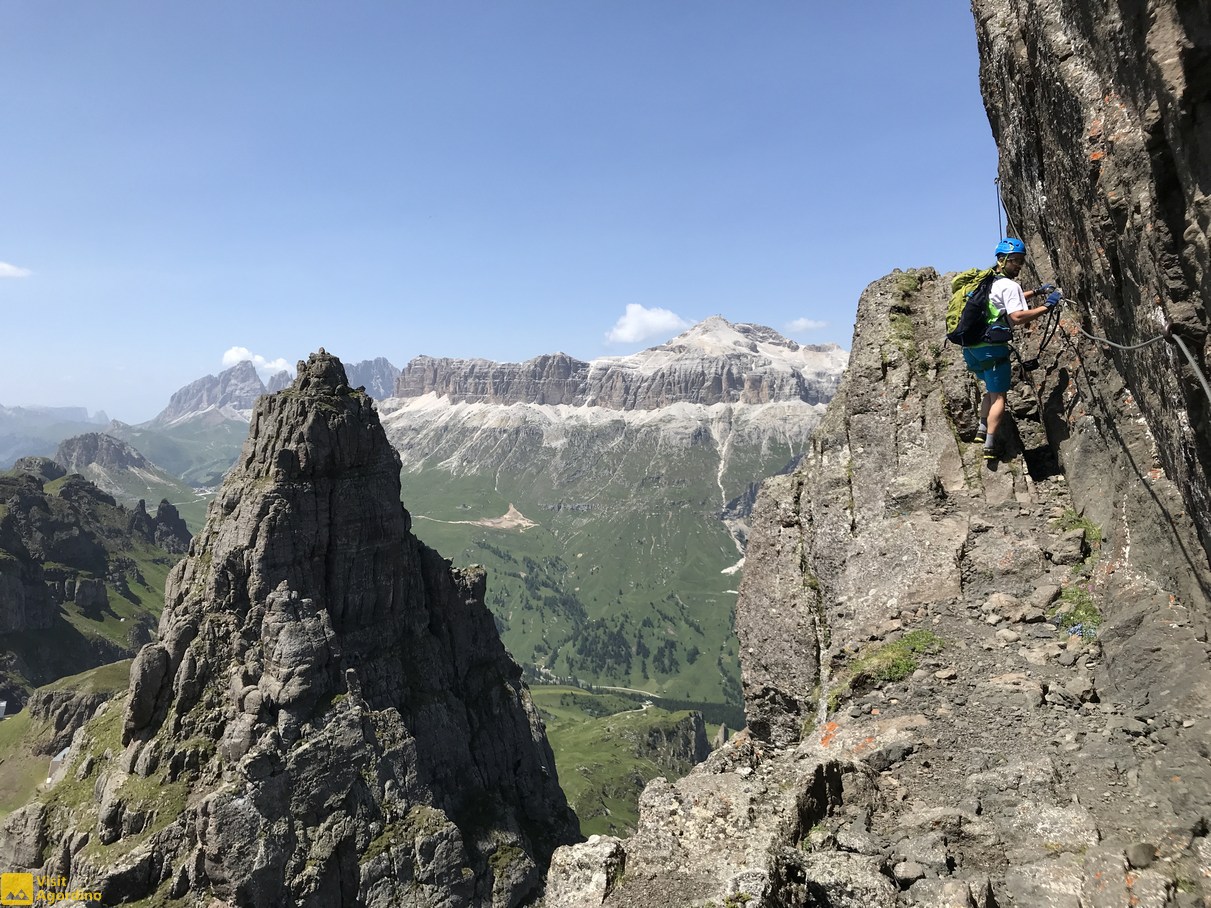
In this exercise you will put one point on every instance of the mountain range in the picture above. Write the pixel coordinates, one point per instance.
(608, 499)
(198, 435)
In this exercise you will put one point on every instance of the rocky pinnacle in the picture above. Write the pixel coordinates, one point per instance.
(328, 717)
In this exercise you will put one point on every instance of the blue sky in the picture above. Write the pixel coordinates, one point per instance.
(497, 179)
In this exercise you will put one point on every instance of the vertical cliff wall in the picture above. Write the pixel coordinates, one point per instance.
(1102, 117)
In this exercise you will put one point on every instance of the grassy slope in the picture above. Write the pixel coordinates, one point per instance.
(580, 591)
(79, 639)
(23, 772)
(624, 583)
(594, 739)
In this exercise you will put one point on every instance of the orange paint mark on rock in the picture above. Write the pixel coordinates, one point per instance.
(865, 744)
(830, 732)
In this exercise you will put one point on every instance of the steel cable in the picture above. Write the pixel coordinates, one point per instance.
(1169, 334)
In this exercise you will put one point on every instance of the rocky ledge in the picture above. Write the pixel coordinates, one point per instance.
(961, 692)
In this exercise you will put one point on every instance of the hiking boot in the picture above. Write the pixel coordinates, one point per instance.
(990, 458)
(981, 436)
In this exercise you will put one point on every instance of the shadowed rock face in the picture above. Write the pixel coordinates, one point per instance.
(1101, 113)
(325, 686)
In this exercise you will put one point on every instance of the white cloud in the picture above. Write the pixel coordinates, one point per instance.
(640, 324)
(7, 270)
(266, 367)
(803, 325)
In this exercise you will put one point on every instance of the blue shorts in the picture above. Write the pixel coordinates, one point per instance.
(990, 363)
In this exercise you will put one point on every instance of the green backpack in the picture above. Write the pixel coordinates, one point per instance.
(969, 314)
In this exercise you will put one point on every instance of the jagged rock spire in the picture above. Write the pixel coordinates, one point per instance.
(327, 687)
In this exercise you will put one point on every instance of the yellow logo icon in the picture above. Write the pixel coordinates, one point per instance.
(16, 888)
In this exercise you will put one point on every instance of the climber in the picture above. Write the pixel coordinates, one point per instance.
(1007, 308)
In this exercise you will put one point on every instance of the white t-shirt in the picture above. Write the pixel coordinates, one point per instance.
(1006, 294)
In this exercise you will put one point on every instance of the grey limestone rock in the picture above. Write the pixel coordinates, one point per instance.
(65, 711)
(585, 875)
(234, 389)
(1096, 110)
(77, 453)
(169, 531)
(326, 687)
(377, 376)
(713, 362)
(43, 467)
(843, 566)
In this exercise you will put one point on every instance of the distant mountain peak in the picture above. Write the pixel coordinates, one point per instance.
(717, 336)
(76, 454)
(233, 391)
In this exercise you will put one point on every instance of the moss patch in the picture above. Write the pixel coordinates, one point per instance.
(884, 663)
(1071, 520)
(1079, 612)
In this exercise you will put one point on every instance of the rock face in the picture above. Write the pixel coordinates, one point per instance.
(1100, 115)
(279, 381)
(64, 711)
(42, 467)
(227, 395)
(714, 362)
(166, 528)
(76, 454)
(377, 376)
(323, 686)
(959, 692)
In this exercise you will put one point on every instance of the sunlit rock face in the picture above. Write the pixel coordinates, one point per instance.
(328, 716)
(713, 362)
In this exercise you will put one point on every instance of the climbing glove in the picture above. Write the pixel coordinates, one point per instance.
(1053, 299)
(1043, 289)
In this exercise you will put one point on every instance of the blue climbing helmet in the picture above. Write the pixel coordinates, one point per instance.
(1010, 246)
